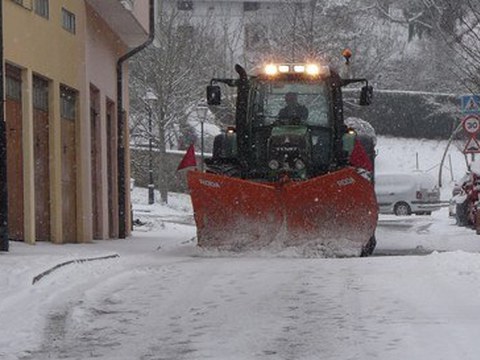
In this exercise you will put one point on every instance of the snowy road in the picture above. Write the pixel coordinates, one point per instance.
(210, 308)
(163, 299)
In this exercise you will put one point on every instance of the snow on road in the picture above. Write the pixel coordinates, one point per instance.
(162, 298)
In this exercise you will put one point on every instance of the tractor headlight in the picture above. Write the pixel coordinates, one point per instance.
(274, 164)
(312, 69)
(299, 164)
(299, 68)
(271, 69)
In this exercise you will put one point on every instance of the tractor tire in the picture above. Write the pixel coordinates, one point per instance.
(368, 249)
(461, 214)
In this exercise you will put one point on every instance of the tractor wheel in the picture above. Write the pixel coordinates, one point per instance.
(368, 249)
(402, 209)
(461, 214)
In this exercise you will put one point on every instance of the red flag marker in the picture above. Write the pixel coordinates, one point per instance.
(188, 159)
(359, 157)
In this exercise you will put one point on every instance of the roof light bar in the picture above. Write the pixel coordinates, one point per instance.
(299, 68)
(312, 69)
(308, 69)
(271, 69)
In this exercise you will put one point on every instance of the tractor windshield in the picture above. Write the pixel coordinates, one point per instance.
(290, 103)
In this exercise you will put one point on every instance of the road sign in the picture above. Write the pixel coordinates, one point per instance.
(470, 104)
(471, 124)
(472, 146)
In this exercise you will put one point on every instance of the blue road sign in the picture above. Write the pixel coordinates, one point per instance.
(470, 104)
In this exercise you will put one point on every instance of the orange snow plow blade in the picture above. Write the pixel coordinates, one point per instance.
(335, 212)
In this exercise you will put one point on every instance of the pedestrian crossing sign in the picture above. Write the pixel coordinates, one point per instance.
(470, 104)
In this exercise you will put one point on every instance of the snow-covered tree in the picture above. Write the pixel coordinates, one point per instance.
(175, 69)
(443, 40)
(320, 30)
(460, 27)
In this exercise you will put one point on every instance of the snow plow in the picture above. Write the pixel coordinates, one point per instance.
(285, 175)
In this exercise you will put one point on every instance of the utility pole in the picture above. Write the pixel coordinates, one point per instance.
(3, 149)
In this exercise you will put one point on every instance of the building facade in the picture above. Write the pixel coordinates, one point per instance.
(61, 118)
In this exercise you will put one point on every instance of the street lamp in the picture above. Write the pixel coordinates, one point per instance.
(202, 111)
(150, 98)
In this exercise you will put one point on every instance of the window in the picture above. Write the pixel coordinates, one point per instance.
(40, 93)
(251, 5)
(13, 88)
(42, 8)
(68, 21)
(13, 82)
(270, 98)
(68, 103)
(185, 5)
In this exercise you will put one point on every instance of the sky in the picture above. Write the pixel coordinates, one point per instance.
(157, 296)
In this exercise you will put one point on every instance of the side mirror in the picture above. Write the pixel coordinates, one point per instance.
(214, 95)
(366, 95)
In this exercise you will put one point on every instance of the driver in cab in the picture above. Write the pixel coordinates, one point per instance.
(293, 113)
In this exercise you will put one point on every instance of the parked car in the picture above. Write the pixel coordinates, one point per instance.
(406, 194)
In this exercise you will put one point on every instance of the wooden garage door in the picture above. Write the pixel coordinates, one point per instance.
(13, 112)
(68, 103)
(41, 153)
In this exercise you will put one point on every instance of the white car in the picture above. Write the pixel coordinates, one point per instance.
(407, 193)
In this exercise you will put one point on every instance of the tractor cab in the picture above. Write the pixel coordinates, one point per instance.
(289, 122)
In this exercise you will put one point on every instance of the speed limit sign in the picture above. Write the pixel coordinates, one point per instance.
(471, 124)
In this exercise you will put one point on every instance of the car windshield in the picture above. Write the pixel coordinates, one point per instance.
(271, 97)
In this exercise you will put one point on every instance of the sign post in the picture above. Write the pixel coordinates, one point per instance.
(470, 107)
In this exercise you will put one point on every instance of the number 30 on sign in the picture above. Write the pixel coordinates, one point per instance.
(471, 124)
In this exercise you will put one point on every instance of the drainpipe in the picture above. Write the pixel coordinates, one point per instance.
(3, 150)
(122, 122)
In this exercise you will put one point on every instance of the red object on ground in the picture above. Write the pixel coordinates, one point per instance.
(188, 159)
(359, 157)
